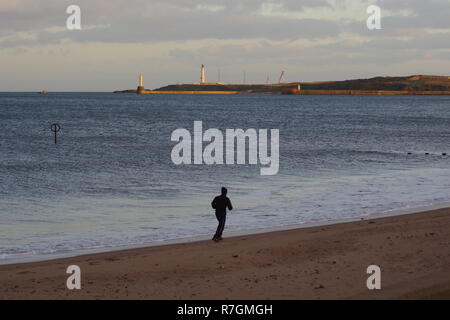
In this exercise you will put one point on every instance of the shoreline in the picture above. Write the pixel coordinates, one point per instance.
(299, 93)
(203, 237)
(314, 262)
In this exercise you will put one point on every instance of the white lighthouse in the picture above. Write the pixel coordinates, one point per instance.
(202, 76)
(140, 88)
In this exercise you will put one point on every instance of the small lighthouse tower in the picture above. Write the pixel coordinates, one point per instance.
(140, 88)
(202, 76)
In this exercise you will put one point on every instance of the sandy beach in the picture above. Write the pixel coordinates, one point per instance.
(325, 262)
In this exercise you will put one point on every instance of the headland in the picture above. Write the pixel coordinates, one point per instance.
(409, 85)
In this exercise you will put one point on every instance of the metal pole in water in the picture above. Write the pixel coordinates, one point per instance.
(55, 129)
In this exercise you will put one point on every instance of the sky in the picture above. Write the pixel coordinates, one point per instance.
(168, 40)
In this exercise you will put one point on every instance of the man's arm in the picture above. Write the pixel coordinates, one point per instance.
(230, 207)
(213, 203)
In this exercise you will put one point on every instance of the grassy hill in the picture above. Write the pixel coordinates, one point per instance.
(411, 83)
(414, 84)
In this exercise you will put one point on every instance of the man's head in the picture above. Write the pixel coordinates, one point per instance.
(224, 191)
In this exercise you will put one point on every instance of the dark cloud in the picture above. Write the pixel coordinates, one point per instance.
(423, 14)
(167, 22)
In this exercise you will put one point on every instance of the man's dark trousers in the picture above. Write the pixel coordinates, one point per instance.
(221, 217)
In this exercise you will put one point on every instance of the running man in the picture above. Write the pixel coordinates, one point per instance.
(221, 203)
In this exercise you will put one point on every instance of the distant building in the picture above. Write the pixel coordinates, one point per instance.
(140, 87)
(203, 79)
(202, 76)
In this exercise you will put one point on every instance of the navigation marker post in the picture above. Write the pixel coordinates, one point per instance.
(55, 129)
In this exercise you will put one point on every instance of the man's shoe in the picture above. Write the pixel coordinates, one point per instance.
(219, 238)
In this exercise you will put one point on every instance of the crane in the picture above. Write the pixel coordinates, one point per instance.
(281, 77)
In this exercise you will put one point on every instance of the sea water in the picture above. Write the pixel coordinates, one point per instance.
(110, 181)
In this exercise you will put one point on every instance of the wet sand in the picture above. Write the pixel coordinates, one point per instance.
(325, 262)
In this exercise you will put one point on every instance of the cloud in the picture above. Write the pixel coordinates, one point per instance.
(162, 21)
(183, 20)
(320, 39)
